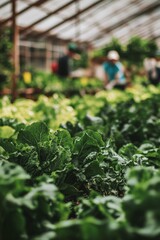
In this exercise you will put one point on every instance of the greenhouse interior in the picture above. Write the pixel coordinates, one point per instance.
(79, 120)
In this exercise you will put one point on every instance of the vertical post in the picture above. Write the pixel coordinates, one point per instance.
(15, 52)
(48, 54)
(77, 21)
(27, 57)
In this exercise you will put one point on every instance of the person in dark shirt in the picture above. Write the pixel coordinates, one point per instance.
(65, 62)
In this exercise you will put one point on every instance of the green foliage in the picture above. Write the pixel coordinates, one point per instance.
(142, 199)
(114, 45)
(82, 62)
(50, 83)
(27, 211)
(5, 56)
(37, 151)
(5, 49)
(138, 49)
(133, 53)
(96, 178)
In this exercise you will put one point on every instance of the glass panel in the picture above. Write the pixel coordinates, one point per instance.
(54, 4)
(48, 23)
(94, 22)
(64, 27)
(21, 5)
(30, 16)
(3, 1)
(5, 12)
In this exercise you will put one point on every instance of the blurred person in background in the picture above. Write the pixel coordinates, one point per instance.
(65, 62)
(114, 76)
(152, 69)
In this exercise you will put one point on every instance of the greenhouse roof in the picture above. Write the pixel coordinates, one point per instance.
(94, 21)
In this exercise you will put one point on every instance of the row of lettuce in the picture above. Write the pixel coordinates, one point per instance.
(87, 169)
(47, 83)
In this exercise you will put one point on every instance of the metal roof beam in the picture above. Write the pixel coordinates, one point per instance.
(97, 24)
(24, 31)
(140, 30)
(4, 4)
(90, 25)
(35, 4)
(69, 18)
(65, 28)
(146, 10)
(156, 37)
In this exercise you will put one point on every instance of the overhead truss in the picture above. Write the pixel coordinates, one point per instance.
(93, 20)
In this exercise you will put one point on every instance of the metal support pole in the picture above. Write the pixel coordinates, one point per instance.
(15, 52)
(77, 21)
(48, 54)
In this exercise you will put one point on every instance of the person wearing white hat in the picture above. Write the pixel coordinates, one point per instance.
(113, 71)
